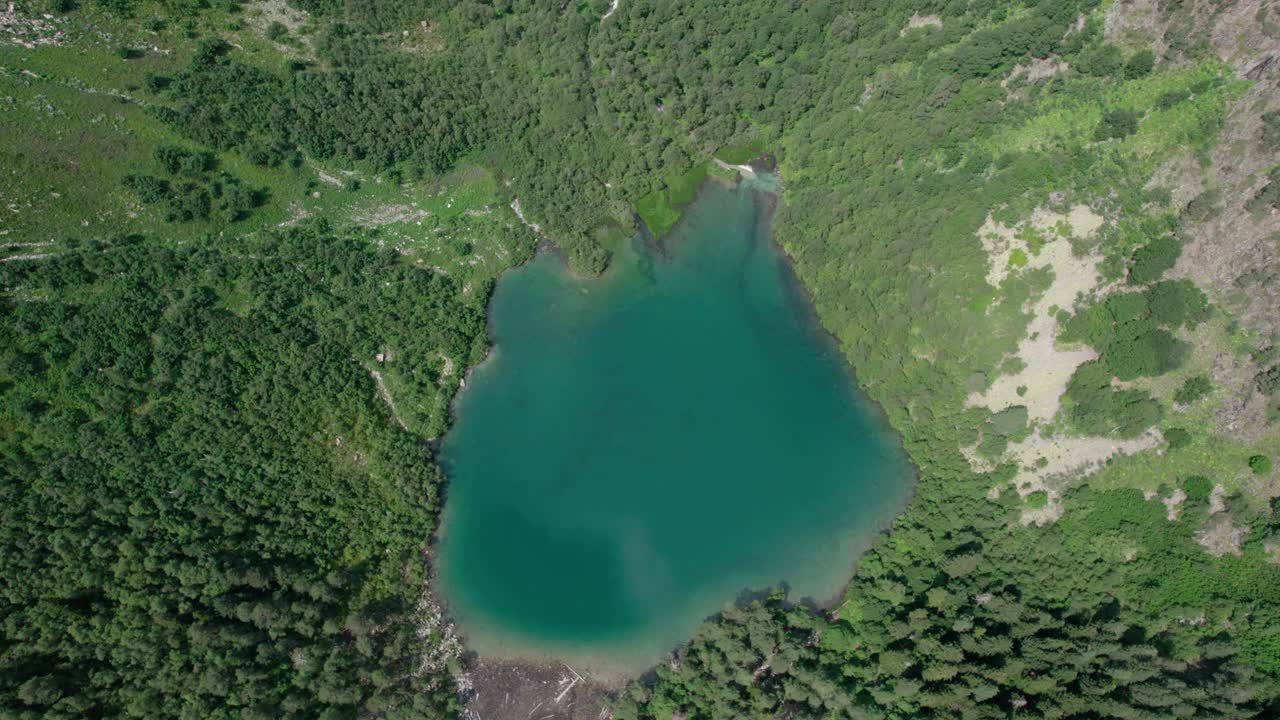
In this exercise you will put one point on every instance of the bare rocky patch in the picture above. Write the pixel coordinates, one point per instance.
(1137, 22)
(1272, 549)
(263, 13)
(1234, 253)
(1221, 536)
(28, 31)
(1173, 504)
(389, 214)
(546, 690)
(921, 21)
(385, 395)
(1035, 71)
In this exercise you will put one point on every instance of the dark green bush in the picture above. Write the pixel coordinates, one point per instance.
(1269, 135)
(1203, 206)
(181, 161)
(156, 83)
(1009, 421)
(1177, 438)
(1193, 389)
(1100, 60)
(1260, 464)
(1171, 98)
(1175, 303)
(1152, 260)
(1116, 124)
(1139, 64)
(1197, 487)
(1137, 351)
(1268, 197)
(277, 31)
(1100, 409)
(148, 188)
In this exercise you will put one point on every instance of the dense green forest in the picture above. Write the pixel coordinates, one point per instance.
(223, 367)
(210, 511)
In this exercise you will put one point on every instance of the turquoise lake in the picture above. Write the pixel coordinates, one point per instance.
(641, 448)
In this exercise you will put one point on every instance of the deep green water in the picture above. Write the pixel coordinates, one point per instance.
(642, 447)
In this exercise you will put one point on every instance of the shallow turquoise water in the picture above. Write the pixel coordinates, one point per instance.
(642, 447)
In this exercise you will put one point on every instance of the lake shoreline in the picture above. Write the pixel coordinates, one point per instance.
(495, 672)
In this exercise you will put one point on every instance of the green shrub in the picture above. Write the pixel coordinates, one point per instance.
(993, 445)
(156, 83)
(1260, 464)
(1100, 60)
(1125, 307)
(1176, 303)
(1177, 438)
(272, 153)
(1099, 409)
(1171, 98)
(1197, 487)
(1037, 499)
(1116, 124)
(1151, 261)
(1094, 326)
(1268, 380)
(148, 188)
(1268, 198)
(1193, 389)
(1008, 421)
(1203, 206)
(1143, 353)
(1139, 65)
(189, 201)
(277, 31)
(180, 161)
(1270, 133)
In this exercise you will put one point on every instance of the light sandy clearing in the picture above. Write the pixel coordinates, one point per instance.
(1272, 548)
(1220, 536)
(264, 12)
(515, 207)
(918, 21)
(1047, 368)
(447, 370)
(613, 7)
(1173, 504)
(1217, 499)
(32, 256)
(745, 170)
(1036, 70)
(297, 214)
(1048, 463)
(1065, 459)
(386, 395)
(389, 214)
(326, 177)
